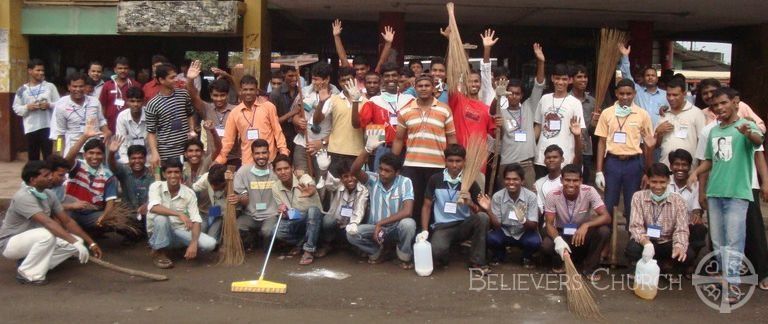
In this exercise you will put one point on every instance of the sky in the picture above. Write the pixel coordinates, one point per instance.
(724, 48)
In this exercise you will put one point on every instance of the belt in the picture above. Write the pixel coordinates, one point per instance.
(625, 157)
(525, 163)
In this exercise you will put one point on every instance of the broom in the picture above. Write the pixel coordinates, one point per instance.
(477, 151)
(607, 56)
(457, 69)
(122, 219)
(132, 272)
(495, 163)
(231, 251)
(581, 301)
(261, 285)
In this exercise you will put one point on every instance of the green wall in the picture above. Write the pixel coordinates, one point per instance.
(61, 20)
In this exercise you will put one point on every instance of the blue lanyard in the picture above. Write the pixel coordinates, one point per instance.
(39, 91)
(570, 211)
(452, 189)
(654, 214)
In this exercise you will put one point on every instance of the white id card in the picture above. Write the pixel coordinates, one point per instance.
(450, 208)
(554, 124)
(521, 136)
(252, 134)
(137, 141)
(681, 131)
(119, 102)
(220, 131)
(512, 216)
(569, 229)
(80, 128)
(620, 137)
(346, 211)
(653, 231)
(393, 119)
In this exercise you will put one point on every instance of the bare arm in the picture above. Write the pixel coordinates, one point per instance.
(451, 138)
(600, 154)
(336, 27)
(426, 212)
(389, 36)
(398, 144)
(357, 167)
(551, 229)
(404, 212)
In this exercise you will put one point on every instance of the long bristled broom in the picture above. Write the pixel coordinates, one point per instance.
(581, 301)
(122, 218)
(457, 69)
(477, 152)
(231, 251)
(261, 285)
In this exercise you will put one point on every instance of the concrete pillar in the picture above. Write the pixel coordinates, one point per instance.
(396, 20)
(256, 40)
(667, 54)
(14, 54)
(748, 61)
(641, 33)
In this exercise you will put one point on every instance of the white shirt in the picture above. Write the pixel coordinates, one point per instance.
(544, 186)
(133, 133)
(551, 113)
(690, 195)
(69, 119)
(185, 202)
(37, 119)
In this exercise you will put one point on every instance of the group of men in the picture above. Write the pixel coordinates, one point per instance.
(378, 161)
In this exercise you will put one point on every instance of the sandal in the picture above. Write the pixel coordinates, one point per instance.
(593, 277)
(406, 265)
(763, 285)
(307, 258)
(558, 270)
(323, 251)
(161, 261)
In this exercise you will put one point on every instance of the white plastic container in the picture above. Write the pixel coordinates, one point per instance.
(422, 258)
(646, 279)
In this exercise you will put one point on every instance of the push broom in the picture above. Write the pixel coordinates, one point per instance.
(261, 285)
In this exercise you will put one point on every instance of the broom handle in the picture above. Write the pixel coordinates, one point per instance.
(272, 242)
(495, 163)
(128, 271)
(614, 241)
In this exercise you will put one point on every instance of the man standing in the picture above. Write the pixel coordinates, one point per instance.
(284, 101)
(153, 87)
(112, 96)
(552, 114)
(132, 124)
(457, 216)
(359, 64)
(649, 96)
(95, 72)
(553, 160)
(254, 118)
(72, 112)
(681, 125)
(37, 231)
(621, 129)
(170, 118)
(314, 97)
(579, 91)
(34, 103)
(173, 220)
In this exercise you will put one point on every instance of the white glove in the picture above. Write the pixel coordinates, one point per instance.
(374, 140)
(600, 181)
(323, 160)
(501, 89)
(561, 246)
(82, 251)
(353, 91)
(648, 252)
(422, 237)
(351, 229)
(331, 181)
(321, 183)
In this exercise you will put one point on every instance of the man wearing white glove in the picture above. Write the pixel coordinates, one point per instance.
(344, 141)
(658, 225)
(571, 226)
(348, 200)
(38, 230)
(391, 201)
(625, 144)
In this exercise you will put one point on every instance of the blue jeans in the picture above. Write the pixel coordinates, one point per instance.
(728, 230)
(497, 241)
(304, 230)
(165, 236)
(622, 177)
(404, 232)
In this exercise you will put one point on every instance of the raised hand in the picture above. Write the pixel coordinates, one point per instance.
(624, 49)
(194, 70)
(209, 125)
(336, 26)
(743, 128)
(91, 128)
(484, 201)
(388, 34)
(539, 51)
(501, 88)
(307, 190)
(576, 126)
(488, 38)
(353, 92)
(114, 143)
(446, 32)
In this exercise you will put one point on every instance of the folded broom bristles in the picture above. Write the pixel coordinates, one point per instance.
(607, 56)
(477, 152)
(581, 301)
(122, 218)
(457, 69)
(231, 250)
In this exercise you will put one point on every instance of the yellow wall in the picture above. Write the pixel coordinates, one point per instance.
(256, 49)
(13, 72)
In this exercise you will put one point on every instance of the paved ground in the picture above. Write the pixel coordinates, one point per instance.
(198, 292)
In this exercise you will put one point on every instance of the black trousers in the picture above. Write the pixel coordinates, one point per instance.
(755, 247)
(38, 144)
(419, 177)
(588, 254)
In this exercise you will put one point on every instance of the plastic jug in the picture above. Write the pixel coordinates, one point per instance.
(422, 258)
(646, 279)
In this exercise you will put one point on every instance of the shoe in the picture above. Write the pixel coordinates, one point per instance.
(24, 281)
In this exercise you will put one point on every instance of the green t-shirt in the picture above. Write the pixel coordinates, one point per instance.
(733, 157)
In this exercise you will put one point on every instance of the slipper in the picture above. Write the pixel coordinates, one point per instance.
(406, 265)
(763, 285)
(558, 270)
(593, 277)
(161, 261)
(323, 251)
(306, 259)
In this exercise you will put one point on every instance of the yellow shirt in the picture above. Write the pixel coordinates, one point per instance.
(609, 125)
(344, 139)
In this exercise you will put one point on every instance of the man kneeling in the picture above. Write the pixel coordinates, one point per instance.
(457, 216)
(173, 220)
(658, 224)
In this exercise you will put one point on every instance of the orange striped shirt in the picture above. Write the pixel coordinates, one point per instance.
(426, 133)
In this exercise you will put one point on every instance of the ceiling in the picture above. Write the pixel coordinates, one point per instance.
(668, 16)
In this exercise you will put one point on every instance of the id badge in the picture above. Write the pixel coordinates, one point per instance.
(512, 216)
(261, 206)
(450, 208)
(393, 119)
(119, 102)
(176, 124)
(681, 132)
(254, 185)
(521, 136)
(653, 231)
(252, 134)
(294, 214)
(620, 137)
(137, 141)
(569, 229)
(346, 211)
(554, 125)
(220, 131)
(80, 128)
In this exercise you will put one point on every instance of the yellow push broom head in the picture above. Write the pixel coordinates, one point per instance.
(259, 286)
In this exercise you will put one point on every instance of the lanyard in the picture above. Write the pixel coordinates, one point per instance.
(137, 129)
(353, 199)
(220, 117)
(518, 120)
(120, 92)
(569, 209)
(621, 125)
(84, 116)
(561, 104)
(656, 214)
(290, 199)
(454, 190)
(39, 91)
(253, 117)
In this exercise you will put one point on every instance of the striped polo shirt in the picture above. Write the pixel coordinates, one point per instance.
(167, 119)
(91, 185)
(383, 202)
(426, 133)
